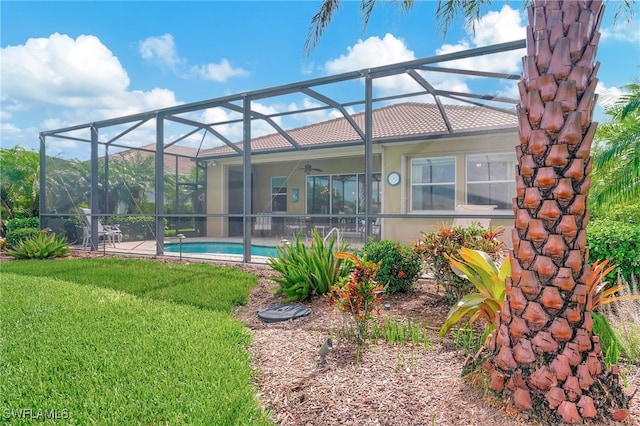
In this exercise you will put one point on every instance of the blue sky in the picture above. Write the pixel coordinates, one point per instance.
(67, 63)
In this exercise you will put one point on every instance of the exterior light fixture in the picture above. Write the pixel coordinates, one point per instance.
(180, 238)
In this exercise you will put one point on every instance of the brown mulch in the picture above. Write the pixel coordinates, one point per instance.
(390, 385)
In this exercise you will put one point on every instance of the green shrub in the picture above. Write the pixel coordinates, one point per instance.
(15, 236)
(448, 240)
(617, 241)
(23, 222)
(626, 212)
(308, 271)
(400, 265)
(43, 246)
(135, 227)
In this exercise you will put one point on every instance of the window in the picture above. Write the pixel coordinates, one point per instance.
(491, 179)
(433, 183)
(278, 194)
(340, 194)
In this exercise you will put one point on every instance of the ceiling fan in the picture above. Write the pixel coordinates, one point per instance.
(308, 168)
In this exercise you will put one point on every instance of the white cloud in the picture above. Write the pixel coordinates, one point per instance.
(607, 96)
(622, 31)
(371, 52)
(492, 28)
(160, 49)
(61, 71)
(65, 81)
(218, 72)
(81, 75)
(313, 117)
(163, 51)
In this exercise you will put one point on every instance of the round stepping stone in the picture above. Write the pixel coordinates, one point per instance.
(283, 312)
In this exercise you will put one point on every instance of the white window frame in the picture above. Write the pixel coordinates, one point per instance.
(489, 155)
(279, 194)
(412, 184)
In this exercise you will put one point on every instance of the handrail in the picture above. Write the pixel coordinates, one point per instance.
(338, 238)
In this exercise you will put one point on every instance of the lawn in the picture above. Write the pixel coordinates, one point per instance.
(116, 341)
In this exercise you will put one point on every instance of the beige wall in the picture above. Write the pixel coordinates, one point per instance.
(395, 199)
(217, 199)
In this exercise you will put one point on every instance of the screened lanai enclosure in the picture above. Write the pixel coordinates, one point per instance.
(384, 152)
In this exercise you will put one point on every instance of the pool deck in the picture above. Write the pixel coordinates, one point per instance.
(148, 248)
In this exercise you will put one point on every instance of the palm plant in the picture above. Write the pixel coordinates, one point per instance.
(616, 170)
(543, 334)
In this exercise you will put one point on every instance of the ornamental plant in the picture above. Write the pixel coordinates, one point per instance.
(597, 291)
(400, 265)
(434, 247)
(600, 294)
(488, 279)
(45, 245)
(308, 271)
(358, 295)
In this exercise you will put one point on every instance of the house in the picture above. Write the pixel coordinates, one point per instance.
(427, 160)
(391, 169)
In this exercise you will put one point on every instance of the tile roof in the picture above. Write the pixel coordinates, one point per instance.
(394, 121)
(184, 164)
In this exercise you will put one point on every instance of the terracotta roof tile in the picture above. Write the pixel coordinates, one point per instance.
(399, 120)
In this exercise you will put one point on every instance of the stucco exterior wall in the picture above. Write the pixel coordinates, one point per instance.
(217, 199)
(396, 199)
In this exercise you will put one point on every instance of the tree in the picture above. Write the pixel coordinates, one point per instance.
(19, 182)
(132, 179)
(616, 171)
(544, 355)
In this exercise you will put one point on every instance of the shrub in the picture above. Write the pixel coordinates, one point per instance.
(43, 246)
(400, 265)
(306, 272)
(626, 212)
(358, 295)
(135, 227)
(15, 236)
(446, 240)
(23, 222)
(617, 241)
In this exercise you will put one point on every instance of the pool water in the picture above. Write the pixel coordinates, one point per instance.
(219, 248)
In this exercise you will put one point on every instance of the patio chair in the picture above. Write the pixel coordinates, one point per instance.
(474, 209)
(263, 225)
(110, 233)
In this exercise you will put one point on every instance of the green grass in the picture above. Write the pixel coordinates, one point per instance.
(102, 356)
(206, 286)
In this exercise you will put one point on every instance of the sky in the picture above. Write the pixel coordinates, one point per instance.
(68, 63)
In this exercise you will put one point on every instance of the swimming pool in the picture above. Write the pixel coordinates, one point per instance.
(219, 248)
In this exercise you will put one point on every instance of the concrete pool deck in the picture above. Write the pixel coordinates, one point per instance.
(148, 248)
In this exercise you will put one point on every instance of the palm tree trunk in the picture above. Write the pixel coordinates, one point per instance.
(545, 354)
